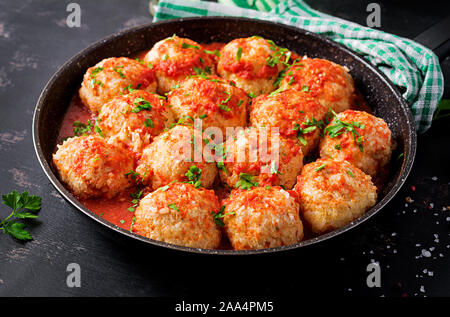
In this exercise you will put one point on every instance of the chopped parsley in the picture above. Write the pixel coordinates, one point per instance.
(118, 70)
(149, 123)
(338, 127)
(305, 88)
(215, 52)
(225, 101)
(194, 174)
(320, 167)
(163, 188)
(220, 215)
(280, 77)
(141, 104)
(97, 128)
(245, 181)
(203, 72)
(273, 93)
(93, 74)
(130, 88)
(186, 45)
(349, 172)
(132, 224)
(174, 207)
(302, 131)
(96, 71)
(80, 128)
(277, 57)
(239, 54)
(165, 57)
(132, 175)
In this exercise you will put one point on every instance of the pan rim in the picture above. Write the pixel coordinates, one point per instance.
(406, 167)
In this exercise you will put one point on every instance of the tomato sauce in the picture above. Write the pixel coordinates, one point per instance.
(113, 210)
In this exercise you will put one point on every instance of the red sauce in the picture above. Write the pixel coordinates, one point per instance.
(113, 210)
(75, 112)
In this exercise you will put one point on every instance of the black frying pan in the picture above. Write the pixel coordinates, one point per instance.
(381, 95)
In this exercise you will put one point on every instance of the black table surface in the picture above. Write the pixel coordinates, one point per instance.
(411, 241)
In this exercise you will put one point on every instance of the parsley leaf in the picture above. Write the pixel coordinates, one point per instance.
(149, 123)
(337, 127)
(320, 167)
(245, 181)
(305, 88)
(80, 128)
(186, 45)
(239, 54)
(174, 207)
(215, 52)
(22, 206)
(141, 104)
(194, 174)
(220, 215)
(302, 131)
(118, 70)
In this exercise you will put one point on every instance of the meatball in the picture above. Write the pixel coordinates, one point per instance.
(180, 214)
(297, 115)
(263, 217)
(359, 138)
(175, 58)
(91, 167)
(259, 157)
(253, 63)
(114, 76)
(330, 83)
(333, 193)
(176, 155)
(217, 102)
(135, 118)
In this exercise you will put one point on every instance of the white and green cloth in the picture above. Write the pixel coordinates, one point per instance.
(409, 65)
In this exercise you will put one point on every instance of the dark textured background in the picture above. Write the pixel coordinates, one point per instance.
(410, 241)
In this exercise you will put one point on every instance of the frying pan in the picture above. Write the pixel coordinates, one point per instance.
(381, 95)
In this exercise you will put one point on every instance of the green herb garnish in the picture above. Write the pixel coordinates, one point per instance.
(338, 127)
(215, 52)
(80, 128)
(194, 174)
(245, 181)
(118, 70)
(220, 215)
(320, 167)
(186, 45)
(141, 104)
(239, 54)
(149, 123)
(24, 206)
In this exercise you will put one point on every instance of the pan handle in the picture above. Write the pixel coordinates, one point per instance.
(437, 38)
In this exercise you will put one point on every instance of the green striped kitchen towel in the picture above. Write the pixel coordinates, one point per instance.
(411, 66)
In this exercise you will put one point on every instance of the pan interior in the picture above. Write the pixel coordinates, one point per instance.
(384, 99)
